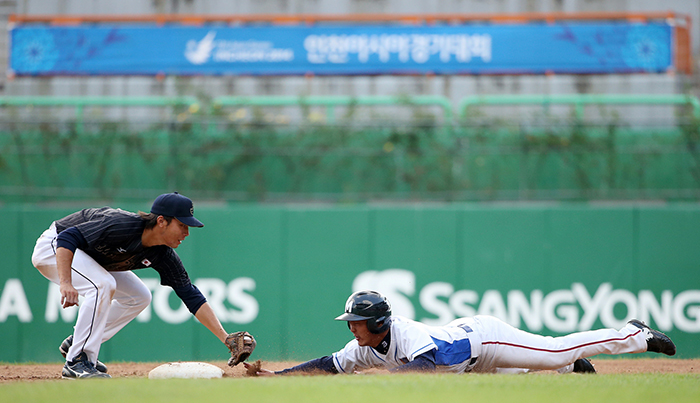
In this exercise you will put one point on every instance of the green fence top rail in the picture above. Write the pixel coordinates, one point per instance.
(332, 101)
(581, 100)
(80, 102)
(97, 101)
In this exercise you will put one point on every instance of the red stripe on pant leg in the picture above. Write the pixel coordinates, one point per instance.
(560, 351)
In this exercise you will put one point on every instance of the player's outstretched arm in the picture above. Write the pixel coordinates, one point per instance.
(318, 365)
(240, 344)
(422, 363)
(205, 314)
(259, 371)
(64, 260)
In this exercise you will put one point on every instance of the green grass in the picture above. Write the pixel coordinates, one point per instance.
(637, 388)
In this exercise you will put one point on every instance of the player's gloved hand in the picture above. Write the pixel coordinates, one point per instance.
(255, 369)
(241, 346)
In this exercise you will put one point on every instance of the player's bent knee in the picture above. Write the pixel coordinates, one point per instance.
(144, 300)
(140, 297)
(103, 289)
(109, 286)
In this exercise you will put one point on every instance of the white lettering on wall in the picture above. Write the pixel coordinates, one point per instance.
(395, 284)
(417, 48)
(13, 302)
(247, 306)
(219, 294)
(558, 311)
(232, 302)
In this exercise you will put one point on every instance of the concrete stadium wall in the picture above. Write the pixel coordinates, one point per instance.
(453, 87)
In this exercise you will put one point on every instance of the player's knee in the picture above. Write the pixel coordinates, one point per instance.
(106, 287)
(145, 299)
(142, 298)
(39, 259)
(36, 259)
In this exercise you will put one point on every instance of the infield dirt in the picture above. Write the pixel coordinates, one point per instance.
(39, 372)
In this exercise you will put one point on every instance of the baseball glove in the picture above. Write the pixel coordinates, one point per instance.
(241, 345)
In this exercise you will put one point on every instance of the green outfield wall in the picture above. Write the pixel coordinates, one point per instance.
(284, 272)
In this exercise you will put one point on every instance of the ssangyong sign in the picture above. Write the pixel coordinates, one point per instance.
(562, 311)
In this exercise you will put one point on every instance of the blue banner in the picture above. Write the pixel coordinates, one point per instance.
(600, 47)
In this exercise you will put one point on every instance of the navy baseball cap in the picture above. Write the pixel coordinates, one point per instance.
(178, 206)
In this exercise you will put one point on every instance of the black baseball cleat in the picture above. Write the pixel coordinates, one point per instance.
(81, 368)
(65, 346)
(584, 366)
(657, 342)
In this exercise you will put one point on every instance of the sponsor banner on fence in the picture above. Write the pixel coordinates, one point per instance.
(586, 47)
(231, 301)
(237, 304)
(284, 273)
(559, 311)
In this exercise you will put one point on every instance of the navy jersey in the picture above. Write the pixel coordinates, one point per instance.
(113, 238)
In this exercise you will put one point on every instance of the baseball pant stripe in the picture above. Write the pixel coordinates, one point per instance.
(562, 350)
(92, 320)
(504, 346)
(97, 286)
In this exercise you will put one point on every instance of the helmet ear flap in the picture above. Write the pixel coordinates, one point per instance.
(378, 325)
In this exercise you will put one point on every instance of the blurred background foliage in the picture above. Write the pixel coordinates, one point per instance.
(250, 154)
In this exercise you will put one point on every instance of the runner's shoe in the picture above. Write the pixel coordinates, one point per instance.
(584, 366)
(657, 342)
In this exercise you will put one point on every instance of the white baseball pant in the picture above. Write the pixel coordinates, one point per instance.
(110, 299)
(499, 345)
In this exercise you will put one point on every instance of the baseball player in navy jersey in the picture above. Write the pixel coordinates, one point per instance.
(92, 253)
(477, 344)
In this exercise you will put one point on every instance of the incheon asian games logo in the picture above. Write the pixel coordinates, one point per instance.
(199, 52)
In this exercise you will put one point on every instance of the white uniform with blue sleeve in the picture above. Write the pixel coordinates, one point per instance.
(477, 344)
(487, 344)
(409, 339)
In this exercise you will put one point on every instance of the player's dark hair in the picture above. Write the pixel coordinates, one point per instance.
(152, 219)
